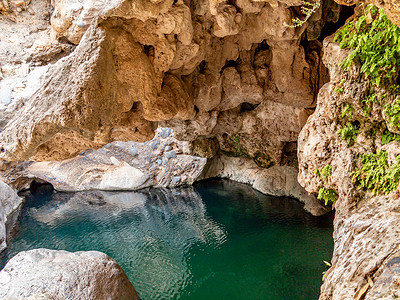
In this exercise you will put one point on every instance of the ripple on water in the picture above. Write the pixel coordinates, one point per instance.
(219, 240)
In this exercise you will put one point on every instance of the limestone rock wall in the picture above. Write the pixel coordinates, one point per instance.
(366, 235)
(229, 70)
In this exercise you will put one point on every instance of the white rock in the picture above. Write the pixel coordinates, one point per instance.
(9, 209)
(51, 274)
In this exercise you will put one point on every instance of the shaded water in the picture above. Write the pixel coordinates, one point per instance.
(218, 240)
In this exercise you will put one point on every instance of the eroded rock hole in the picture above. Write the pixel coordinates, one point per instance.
(246, 106)
(332, 25)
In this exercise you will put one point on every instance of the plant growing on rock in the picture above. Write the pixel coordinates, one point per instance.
(374, 40)
(326, 172)
(389, 136)
(347, 110)
(376, 174)
(307, 8)
(238, 148)
(392, 110)
(367, 103)
(328, 195)
(349, 133)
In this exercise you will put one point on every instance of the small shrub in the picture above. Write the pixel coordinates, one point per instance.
(307, 8)
(327, 195)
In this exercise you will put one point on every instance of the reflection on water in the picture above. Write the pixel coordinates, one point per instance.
(217, 240)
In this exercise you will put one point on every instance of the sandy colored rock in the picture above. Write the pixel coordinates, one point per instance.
(141, 62)
(161, 162)
(365, 226)
(10, 204)
(52, 274)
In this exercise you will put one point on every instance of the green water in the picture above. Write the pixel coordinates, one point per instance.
(216, 240)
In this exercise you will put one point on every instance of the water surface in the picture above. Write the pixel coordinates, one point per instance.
(216, 240)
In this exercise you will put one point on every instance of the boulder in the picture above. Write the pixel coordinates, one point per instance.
(52, 274)
(161, 162)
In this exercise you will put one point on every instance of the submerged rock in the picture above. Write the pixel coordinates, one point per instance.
(52, 274)
(10, 204)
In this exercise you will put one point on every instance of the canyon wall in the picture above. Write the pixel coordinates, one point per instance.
(348, 153)
(231, 74)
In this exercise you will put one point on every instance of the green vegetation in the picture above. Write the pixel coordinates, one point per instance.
(307, 8)
(324, 272)
(367, 103)
(375, 44)
(376, 174)
(327, 195)
(349, 133)
(339, 89)
(238, 148)
(347, 110)
(392, 110)
(326, 172)
(389, 136)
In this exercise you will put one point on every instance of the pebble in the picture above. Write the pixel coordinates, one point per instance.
(170, 154)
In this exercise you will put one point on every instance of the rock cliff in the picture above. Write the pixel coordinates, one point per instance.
(348, 153)
(232, 71)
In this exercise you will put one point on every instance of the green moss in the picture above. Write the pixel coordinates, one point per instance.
(376, 174)
(238, 148)
(326, 172)
(367, 103)
(347, 110)
(389, 136)
(374, 40)
(327, 195)
(349, 133)
(392, 110)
